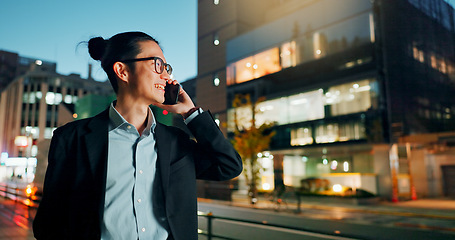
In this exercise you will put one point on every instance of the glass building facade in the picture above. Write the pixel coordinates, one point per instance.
(341, 81)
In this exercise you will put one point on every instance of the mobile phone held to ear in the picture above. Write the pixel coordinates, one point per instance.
(171, 94)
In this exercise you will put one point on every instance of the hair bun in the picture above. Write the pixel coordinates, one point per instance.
(96, 47)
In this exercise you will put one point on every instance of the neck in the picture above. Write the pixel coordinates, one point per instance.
(133, 111)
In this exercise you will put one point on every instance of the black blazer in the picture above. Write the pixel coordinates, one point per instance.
(74, 187)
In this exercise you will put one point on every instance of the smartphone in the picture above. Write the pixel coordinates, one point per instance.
(171, 94)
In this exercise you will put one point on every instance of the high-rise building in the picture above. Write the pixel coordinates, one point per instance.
(344, 82)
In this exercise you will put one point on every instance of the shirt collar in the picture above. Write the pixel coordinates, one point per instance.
(117, 120)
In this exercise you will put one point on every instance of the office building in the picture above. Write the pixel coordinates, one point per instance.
(36, 102)
(345, 83)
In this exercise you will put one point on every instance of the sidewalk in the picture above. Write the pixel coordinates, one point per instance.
(428, 208)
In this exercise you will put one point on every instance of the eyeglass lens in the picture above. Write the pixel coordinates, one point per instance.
(160, 65)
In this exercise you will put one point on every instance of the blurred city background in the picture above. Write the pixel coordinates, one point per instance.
(331, 103)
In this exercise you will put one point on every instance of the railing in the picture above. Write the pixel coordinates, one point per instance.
(21, 195)
(211, 235)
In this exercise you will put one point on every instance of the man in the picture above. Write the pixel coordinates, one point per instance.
(122, 175)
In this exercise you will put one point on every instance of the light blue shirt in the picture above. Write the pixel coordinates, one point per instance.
(128, 206)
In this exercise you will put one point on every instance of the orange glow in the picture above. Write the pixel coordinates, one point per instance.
(21, 141)
(27, 202)
(30, 191)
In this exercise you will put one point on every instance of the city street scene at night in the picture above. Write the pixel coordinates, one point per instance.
(342, 112)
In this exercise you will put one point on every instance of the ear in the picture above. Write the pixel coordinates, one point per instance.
(121, 70)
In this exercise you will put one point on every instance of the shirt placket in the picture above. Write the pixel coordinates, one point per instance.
(139, 191)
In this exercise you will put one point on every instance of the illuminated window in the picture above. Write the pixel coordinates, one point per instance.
(216, 2)
(266, 173)
(320, 45)
(327, 133)
(272, 111)
(258, 65)
(53, 98)
(266, 62)
(239, 118)
(339, 132)
(306, 106)
(418, 54)
(48, 132)
(294, 169)
(301, 136)
(349, 98)
(288, 55)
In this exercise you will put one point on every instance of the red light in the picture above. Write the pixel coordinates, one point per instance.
(165, 112)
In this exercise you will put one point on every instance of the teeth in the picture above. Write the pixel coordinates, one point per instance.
(159, 86)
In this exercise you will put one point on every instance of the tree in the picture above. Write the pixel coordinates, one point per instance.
(249, 140)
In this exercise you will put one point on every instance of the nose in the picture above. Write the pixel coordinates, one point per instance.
(165, 76)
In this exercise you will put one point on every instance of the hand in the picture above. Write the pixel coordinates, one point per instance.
(184, 103)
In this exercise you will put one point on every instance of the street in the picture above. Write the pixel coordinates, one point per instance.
(331, 222)
(316, 221)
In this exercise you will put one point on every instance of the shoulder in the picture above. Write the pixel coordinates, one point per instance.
(102, 119)
(172, 130)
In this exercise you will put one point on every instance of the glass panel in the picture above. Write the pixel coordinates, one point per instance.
(243, 117)
(306, 106)
(272, 111)
(301, 136)
(349, 98)
(230, 74)
(294, 169)
(327, 133)
(266, 62)
(288, 54)
(244, 70)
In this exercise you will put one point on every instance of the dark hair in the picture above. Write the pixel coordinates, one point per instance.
(119, 47)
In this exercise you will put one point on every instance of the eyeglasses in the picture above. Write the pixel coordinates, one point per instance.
(160, 65)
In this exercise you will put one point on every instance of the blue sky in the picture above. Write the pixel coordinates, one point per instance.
(52, 29)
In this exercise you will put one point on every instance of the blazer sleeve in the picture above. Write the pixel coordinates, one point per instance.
(52, 211)
(215, 157)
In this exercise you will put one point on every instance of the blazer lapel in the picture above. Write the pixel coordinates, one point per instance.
(96, 144)
(96, 141)
(163, 142)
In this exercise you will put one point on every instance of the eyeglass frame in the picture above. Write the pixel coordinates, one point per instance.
(166, 66)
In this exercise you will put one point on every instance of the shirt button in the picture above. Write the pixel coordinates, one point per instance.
(140, 171)
(129, 127)
(139, 200)
(143, 229)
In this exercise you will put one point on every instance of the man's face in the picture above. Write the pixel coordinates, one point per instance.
(146, 83)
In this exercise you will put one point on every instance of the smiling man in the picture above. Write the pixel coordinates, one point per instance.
(121, 174)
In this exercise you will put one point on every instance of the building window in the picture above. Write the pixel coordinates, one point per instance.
(350, 98)
(320, 45)
(53, 98)
(288, 55)
(339, 132)
(258, 65)
(301, 136)
(341, 99)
